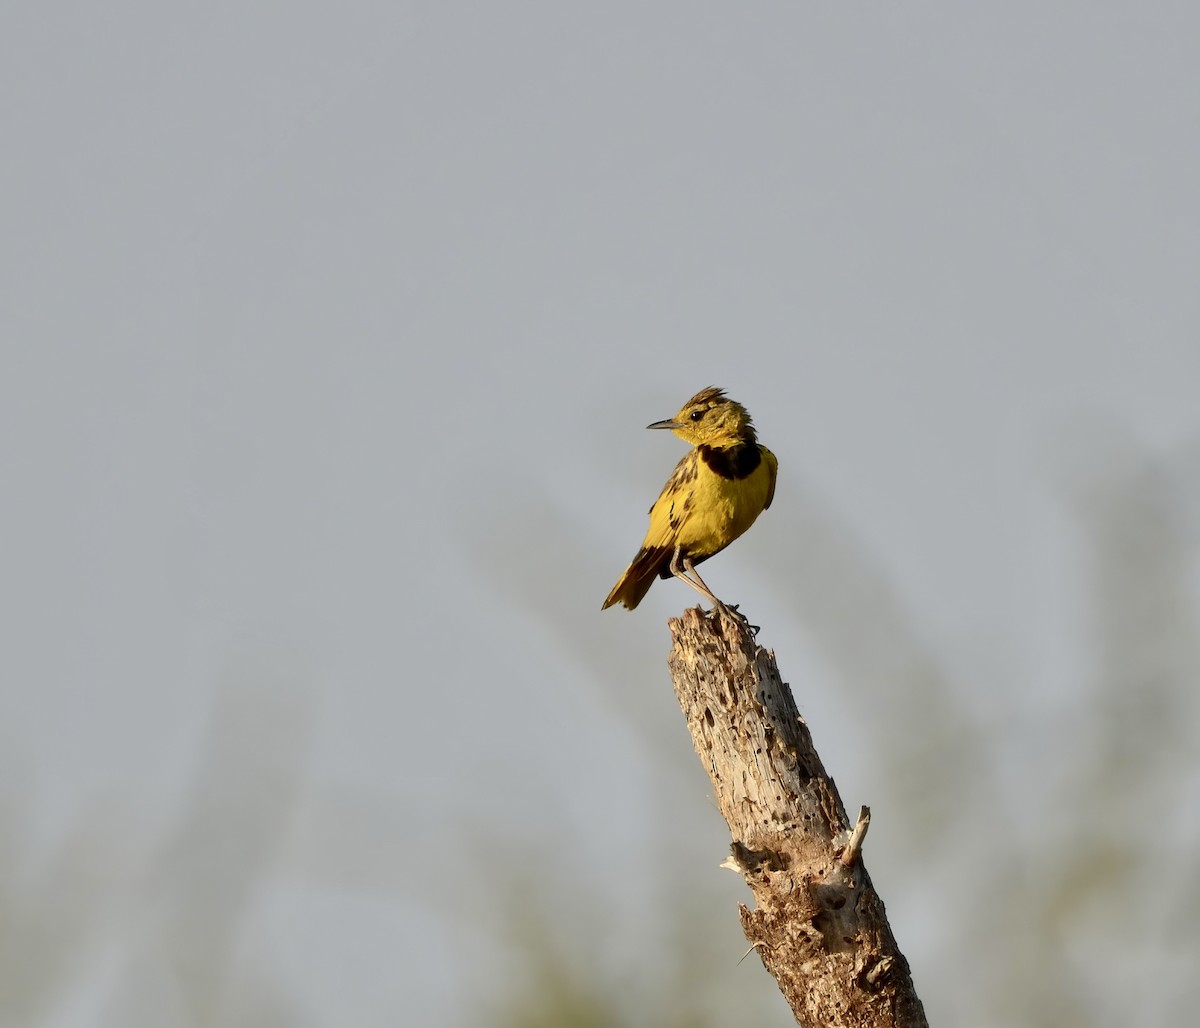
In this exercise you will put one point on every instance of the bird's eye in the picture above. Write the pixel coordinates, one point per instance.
(696, 415)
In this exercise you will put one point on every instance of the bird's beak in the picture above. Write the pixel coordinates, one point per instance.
(666, 424)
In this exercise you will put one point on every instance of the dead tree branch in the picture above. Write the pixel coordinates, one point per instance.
(818, 924)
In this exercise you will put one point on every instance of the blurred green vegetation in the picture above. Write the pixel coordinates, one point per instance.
(1044, 850)
(1042, 856)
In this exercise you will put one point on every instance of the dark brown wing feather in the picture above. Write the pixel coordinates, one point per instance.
(639, 576)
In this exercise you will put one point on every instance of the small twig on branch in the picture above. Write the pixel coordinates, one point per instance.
(818, 925)
(754, 946)
(854, 846)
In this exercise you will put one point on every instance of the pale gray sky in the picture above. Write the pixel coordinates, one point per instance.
(330, 332)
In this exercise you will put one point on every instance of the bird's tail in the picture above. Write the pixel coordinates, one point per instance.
(650, 562)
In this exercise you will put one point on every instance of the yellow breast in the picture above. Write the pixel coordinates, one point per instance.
(703, 511)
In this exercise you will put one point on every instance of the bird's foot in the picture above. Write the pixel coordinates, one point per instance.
(732, 612)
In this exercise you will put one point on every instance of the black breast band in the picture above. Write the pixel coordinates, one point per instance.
(734, 461)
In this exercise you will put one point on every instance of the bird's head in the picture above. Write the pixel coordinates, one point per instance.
(711, 418)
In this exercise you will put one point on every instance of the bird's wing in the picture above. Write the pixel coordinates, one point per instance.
(673, 503)
(772, 470)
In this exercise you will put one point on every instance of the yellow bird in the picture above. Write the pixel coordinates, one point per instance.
(714, 494)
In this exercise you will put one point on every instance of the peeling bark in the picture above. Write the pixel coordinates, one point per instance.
(818, 924)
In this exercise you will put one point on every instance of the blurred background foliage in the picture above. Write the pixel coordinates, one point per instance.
(330, 330)
(1035, 858)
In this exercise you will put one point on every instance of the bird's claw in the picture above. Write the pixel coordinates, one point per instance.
(731, 609)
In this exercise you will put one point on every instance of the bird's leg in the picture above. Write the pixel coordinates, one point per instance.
(690, 568)
(682, 568)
